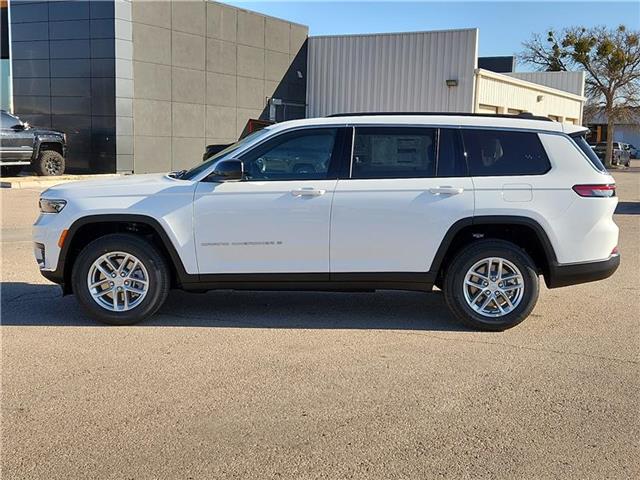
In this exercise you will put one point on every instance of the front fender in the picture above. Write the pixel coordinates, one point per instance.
(47, 138)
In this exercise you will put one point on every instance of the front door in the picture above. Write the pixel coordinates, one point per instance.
(407, 187)
(277, 219)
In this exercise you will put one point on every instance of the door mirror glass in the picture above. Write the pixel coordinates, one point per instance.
(227, 171)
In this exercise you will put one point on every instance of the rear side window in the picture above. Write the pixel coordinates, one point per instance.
(394, 152)
(504, 153)
(588, 151)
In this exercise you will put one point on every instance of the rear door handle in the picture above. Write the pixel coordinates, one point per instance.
(446, 190)
(307, 192)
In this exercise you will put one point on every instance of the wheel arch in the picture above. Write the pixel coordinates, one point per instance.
(87, 229)
(525, 232)
(47, 142)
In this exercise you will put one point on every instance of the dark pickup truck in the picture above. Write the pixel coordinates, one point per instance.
(22, 145)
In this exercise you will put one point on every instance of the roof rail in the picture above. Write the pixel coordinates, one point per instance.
(522, 116)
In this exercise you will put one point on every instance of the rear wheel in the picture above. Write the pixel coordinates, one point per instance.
(11, 170)
(491, 285)
(120, 279)
(49, 163)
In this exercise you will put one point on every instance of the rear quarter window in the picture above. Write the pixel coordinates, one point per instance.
(589, 153)
(504, 153)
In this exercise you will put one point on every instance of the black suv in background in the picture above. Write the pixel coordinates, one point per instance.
(22, 145)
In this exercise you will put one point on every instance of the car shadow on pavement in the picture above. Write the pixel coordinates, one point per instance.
(25, 304)
(628, 208)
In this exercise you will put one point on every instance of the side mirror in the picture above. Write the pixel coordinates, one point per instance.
(231, 170)
(18, 127)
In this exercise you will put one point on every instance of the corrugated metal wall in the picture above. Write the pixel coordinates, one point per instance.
(572, 82)
(392, 72)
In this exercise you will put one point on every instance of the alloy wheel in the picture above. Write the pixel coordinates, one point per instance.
(53, 166)
(118, 281)
(493, 287)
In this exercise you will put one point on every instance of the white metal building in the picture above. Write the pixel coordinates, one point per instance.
(428, 72)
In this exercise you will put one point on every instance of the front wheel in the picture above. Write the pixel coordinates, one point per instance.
(120, 279)
(491, 285)
(49, 163)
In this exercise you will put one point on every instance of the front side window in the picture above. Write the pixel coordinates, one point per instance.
(393, 152)
(301, 155)
(504, 153)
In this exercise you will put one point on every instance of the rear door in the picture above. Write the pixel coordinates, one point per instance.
(406, 187)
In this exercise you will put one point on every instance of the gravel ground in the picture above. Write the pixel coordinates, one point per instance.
(319, 385)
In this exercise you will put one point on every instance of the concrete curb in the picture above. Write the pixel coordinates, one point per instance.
(45, 182)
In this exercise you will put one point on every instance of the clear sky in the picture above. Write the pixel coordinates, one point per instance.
(503, 25)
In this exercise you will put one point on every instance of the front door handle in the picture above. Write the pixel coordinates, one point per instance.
(446, 190)
(307, 192)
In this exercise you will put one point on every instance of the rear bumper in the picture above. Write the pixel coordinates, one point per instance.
(575, 273)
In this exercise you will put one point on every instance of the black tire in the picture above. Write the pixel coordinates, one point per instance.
(153, 261)
(49, 163)
(10, 170)
(465, 259)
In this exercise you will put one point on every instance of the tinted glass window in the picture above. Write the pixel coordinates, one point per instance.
(451, 162)
(301, 155)
(588, 151)
(394, 153)
(503, 153)
(8, 120)
(225, 153)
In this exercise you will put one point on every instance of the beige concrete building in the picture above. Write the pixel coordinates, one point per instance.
(506, 94)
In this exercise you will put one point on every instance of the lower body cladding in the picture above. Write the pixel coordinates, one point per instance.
(575, 273)
(326, 282)
(559, 276)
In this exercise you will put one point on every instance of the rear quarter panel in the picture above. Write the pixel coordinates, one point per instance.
(579, 229)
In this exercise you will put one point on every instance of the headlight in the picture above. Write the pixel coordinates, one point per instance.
(52, 206)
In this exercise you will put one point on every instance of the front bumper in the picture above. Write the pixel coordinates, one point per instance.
(572, 274)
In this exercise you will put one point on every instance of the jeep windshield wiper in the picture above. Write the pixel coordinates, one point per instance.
(178, 173)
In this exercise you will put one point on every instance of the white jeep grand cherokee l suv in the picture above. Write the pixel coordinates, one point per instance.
(479, 206)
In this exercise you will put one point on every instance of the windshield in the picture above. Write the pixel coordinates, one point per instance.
(588, 151)
(9, 121)
(190, 174)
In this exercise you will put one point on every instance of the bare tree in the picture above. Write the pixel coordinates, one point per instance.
(544, 55)
(611, 59)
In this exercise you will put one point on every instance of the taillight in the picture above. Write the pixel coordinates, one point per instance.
(605, 190)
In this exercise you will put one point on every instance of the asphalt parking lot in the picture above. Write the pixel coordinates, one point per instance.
(319, 385)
